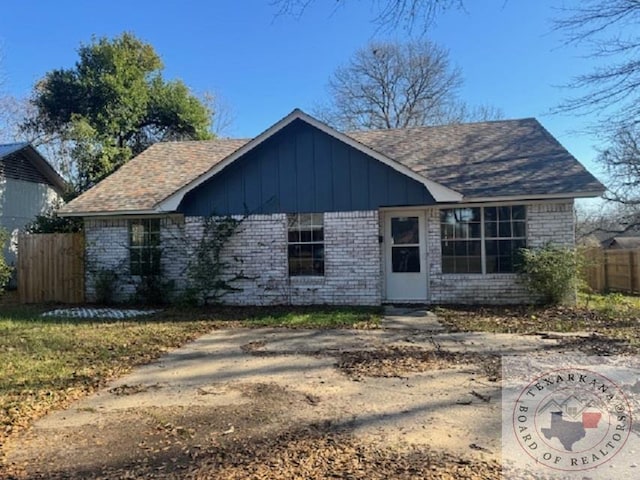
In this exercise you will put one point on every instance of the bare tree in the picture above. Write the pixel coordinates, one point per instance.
(396, 85)
(622, 163)
(387, 14)
(222, 115)
(610, 29)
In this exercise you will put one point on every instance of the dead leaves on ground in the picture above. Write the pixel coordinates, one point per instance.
(398, 361)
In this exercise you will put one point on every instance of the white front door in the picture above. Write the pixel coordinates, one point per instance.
(405, 256)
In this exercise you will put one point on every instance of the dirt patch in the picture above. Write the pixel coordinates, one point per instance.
(398, 361)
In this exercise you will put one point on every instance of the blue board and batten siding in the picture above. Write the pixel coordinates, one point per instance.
(302, 169)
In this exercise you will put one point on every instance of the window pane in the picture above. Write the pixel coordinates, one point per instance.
(305, 236)
(405, 259)
(318, 235)
(518, 212)
(491, 247)
(447, 216)
(505, 264)
(475, 264)
(460, 248)
(492, 263)
(405, 230)
(504, 214)
(137, 234)
(474, 248)
(292, 220)
(447, 248)
(474, 230)
(461, 230)
(519, 229)
(447, 231)
(317, 219)
(294, 236)
(491, 229)
(490, 214)
(305, 220)
(504, 229)
(504, 247)
(448, 264)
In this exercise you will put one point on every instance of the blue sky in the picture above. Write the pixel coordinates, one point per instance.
(265, 65)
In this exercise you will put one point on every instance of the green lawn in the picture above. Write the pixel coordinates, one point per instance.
(48, 362)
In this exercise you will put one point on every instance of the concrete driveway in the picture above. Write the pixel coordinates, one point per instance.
(237, 382)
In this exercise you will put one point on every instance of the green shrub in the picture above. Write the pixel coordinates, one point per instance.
(551, 272)
(5, 270)
(106, 283)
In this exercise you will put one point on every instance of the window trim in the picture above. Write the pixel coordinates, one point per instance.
(311, 228)
(151, 227)
(483, 238)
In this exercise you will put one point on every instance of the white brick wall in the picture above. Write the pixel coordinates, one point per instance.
(546, 223)
(106, 248)
(258, 251)
(352, 262)
(353, 259)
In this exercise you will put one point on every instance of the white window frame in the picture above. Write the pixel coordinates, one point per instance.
(483, 238)
(311, 227)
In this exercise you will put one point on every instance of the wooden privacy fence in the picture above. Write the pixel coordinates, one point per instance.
(51, 268)
(613, 270)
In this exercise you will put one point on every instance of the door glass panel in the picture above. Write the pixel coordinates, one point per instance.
(405, 259)
(405, 230)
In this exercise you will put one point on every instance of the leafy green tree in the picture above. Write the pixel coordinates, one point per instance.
(112, 105)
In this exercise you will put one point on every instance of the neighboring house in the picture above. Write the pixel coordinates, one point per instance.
(29, 186)
(425, 214)
(622, 243)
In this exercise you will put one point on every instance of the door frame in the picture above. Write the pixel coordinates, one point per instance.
(385, 251)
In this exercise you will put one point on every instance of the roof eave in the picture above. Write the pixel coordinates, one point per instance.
(546, 196)
(109, 213)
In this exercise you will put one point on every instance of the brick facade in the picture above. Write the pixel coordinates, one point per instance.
(259, 251)
(353, 259)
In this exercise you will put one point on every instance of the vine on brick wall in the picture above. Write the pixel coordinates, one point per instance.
(209, 272)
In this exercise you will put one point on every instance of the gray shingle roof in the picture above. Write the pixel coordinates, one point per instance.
(152, 176)
(488, 159)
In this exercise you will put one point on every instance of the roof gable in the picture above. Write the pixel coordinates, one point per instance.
(20, 161)
(302, 169)
(439, 192)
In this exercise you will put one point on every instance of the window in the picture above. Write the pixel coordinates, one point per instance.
(405, 247)
(144, 246)
(482, 240)
(306, 244)
(505, 235)
(461, 240)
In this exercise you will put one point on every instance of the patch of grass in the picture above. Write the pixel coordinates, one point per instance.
(47, 363)
(347, 317)
(281, 316)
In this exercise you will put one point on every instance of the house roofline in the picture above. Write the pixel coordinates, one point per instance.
(439, 192)
(544, 196)
(464, 201)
